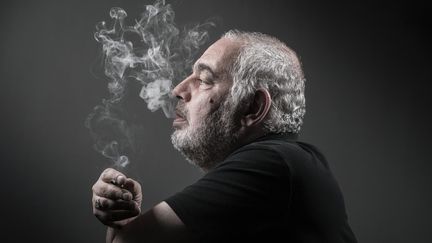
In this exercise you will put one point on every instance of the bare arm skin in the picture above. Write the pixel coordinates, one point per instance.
(159, 224)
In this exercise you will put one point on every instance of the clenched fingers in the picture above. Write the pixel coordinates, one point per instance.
(114, 212)
(106, 204)
(133, 187)
(116, 198)
(108, 190)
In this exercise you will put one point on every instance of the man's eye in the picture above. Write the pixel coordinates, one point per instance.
(203, 82)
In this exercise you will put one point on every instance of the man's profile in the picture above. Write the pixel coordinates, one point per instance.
(238, 117)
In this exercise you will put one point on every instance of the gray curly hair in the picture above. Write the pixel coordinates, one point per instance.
(265, 62)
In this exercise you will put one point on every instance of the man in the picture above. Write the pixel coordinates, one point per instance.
(238, 117)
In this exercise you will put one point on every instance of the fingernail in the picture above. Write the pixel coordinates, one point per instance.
(120, 180)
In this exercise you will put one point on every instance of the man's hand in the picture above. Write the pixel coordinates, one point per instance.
(116, 198)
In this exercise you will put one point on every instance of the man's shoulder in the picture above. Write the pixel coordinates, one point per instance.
(260, 155)
(282, 145)
(282, 150)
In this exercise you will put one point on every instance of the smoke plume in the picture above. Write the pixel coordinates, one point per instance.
(152, 52)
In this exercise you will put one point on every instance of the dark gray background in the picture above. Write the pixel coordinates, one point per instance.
(367, 66)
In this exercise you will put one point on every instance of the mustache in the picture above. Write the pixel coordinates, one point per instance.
(181, 111)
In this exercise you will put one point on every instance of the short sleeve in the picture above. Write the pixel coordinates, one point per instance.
(242, 195)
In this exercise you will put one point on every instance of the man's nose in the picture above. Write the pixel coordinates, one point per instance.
(182, 90)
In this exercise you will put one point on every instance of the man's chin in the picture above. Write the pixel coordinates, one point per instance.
(207, 143)
(178, 137)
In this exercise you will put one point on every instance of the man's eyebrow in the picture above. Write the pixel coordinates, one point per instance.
(199, 67)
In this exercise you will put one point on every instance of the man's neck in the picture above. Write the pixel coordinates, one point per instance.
(248, 136)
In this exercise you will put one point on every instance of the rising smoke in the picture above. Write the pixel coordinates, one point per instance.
(153, 52)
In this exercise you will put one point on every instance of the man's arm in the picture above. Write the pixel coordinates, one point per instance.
(117, 202)
(159, 224)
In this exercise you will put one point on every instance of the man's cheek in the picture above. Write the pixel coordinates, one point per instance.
(204, 106)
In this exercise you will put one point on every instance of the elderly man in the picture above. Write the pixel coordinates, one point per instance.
(238, 117)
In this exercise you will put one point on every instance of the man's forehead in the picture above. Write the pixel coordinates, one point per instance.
(217, 55)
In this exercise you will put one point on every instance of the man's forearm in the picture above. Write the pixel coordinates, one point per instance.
(110, 235)
(125, 234)
(159, 224)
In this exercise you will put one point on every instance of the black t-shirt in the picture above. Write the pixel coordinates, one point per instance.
(275, 189)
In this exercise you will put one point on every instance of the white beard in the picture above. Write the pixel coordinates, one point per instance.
(212, 140)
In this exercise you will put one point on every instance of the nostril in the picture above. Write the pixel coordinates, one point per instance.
(179, 97)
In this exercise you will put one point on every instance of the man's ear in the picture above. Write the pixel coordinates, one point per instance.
(258, 109)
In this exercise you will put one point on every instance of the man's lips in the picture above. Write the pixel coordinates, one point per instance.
(179, 119)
